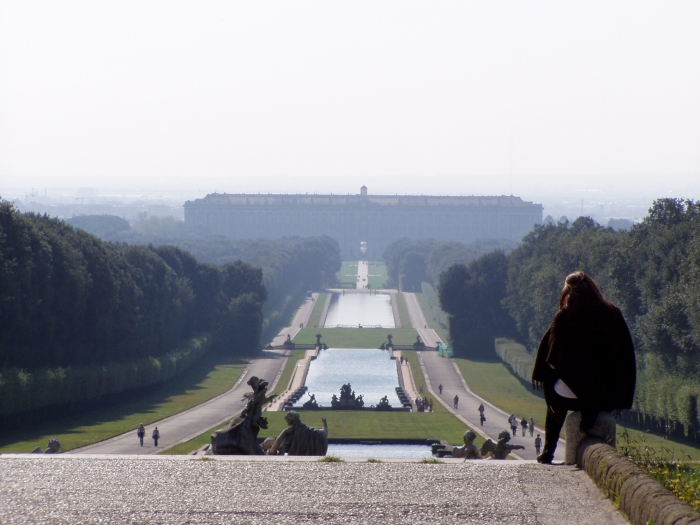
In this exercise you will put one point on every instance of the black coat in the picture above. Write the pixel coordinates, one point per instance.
(596, 362)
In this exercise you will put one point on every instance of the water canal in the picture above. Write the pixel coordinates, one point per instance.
(380, 451)
(371, 372)
(360, 309)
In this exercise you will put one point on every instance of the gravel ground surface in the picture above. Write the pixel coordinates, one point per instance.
(145, 490)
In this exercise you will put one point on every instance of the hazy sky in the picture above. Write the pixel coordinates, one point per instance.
(405, 97)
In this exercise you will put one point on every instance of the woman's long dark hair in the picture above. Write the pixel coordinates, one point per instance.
(583, 301)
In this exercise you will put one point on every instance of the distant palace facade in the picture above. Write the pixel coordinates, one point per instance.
(377, 220)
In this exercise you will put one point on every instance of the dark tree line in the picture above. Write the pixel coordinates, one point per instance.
(409, 263)
(67, 297)
(290, 265)
(652, 272)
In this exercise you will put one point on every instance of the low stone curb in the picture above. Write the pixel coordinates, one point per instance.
(641, 498)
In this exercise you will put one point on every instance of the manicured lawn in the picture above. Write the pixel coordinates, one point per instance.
(352, 424)
(430, 305)
(213, 376)
(403, 311)
(315, 316)
(286, 376)
(356, 337)
(377, 275)
(347, 276)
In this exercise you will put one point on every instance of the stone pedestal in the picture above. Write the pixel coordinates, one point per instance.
(605, 428)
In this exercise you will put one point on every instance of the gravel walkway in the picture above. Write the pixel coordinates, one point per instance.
(174, 490)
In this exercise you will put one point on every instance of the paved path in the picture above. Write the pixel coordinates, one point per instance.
(300, 318)
(224, 490)
(190, 423)
(362, 275)
(439, 370)
(415, 313)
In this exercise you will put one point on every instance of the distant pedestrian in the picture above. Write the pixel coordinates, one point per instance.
(155, 436)
(482, 418)
(523, 424)
(440, 388)
(430, 404)
(481, 409)
(532, 427)
(141, 432)
(538, 444)
(420, 390)
(456, 401)
(514, 424)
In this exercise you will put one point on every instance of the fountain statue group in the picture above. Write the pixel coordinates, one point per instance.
(240, 435)
(347, 400)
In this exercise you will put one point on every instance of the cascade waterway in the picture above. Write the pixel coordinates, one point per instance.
(355, 309)
(370, 372)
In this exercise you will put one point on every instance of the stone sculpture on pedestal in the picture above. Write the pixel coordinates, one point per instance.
(298, 439)
(501, 449)
(469, 450)
(240, 436)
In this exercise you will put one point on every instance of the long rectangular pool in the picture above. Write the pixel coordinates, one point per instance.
(369, 371)
(360, 309)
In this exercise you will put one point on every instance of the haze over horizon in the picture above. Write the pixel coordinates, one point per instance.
(528, 99)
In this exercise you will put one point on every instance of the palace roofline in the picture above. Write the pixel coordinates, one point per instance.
(276, 199)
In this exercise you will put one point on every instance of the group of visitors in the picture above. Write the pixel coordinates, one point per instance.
(141, 433)
(524, 423)
(424, 404)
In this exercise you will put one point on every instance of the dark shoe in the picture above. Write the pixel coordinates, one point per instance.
(546, 457)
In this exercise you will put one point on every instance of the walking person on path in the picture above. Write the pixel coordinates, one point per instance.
(155, 436)
(481, 408)
(523, 424)
(141, 432)
(440, 388)
(482, 418)
(585, 360)
(455, 401)
(513, 424)
(538, 444)
(532, 426)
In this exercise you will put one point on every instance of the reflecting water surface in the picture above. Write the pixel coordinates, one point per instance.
(380, 451)
(370, 372)
(354, 309)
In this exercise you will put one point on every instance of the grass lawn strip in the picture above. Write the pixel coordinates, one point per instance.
(286, 376)
(431, 316)
(357, 424)
(377, 275)
(403, 310)
(347, 275)
(315, 316)
(356, 337)
(213, 376)
(494, 382)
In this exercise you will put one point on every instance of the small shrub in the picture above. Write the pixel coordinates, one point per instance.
(331, 459)
(431, 461)
(373, 460)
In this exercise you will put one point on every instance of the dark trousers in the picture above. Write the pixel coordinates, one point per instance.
(557, 408)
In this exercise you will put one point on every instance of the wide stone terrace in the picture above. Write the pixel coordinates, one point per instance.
(184, 489)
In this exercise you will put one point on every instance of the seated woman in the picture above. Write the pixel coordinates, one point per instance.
(585, 360)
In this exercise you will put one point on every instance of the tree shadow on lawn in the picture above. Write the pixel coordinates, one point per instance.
(73, 418)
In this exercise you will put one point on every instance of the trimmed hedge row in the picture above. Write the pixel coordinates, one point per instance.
(665, 403)
(23, 391)
(516, 357)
